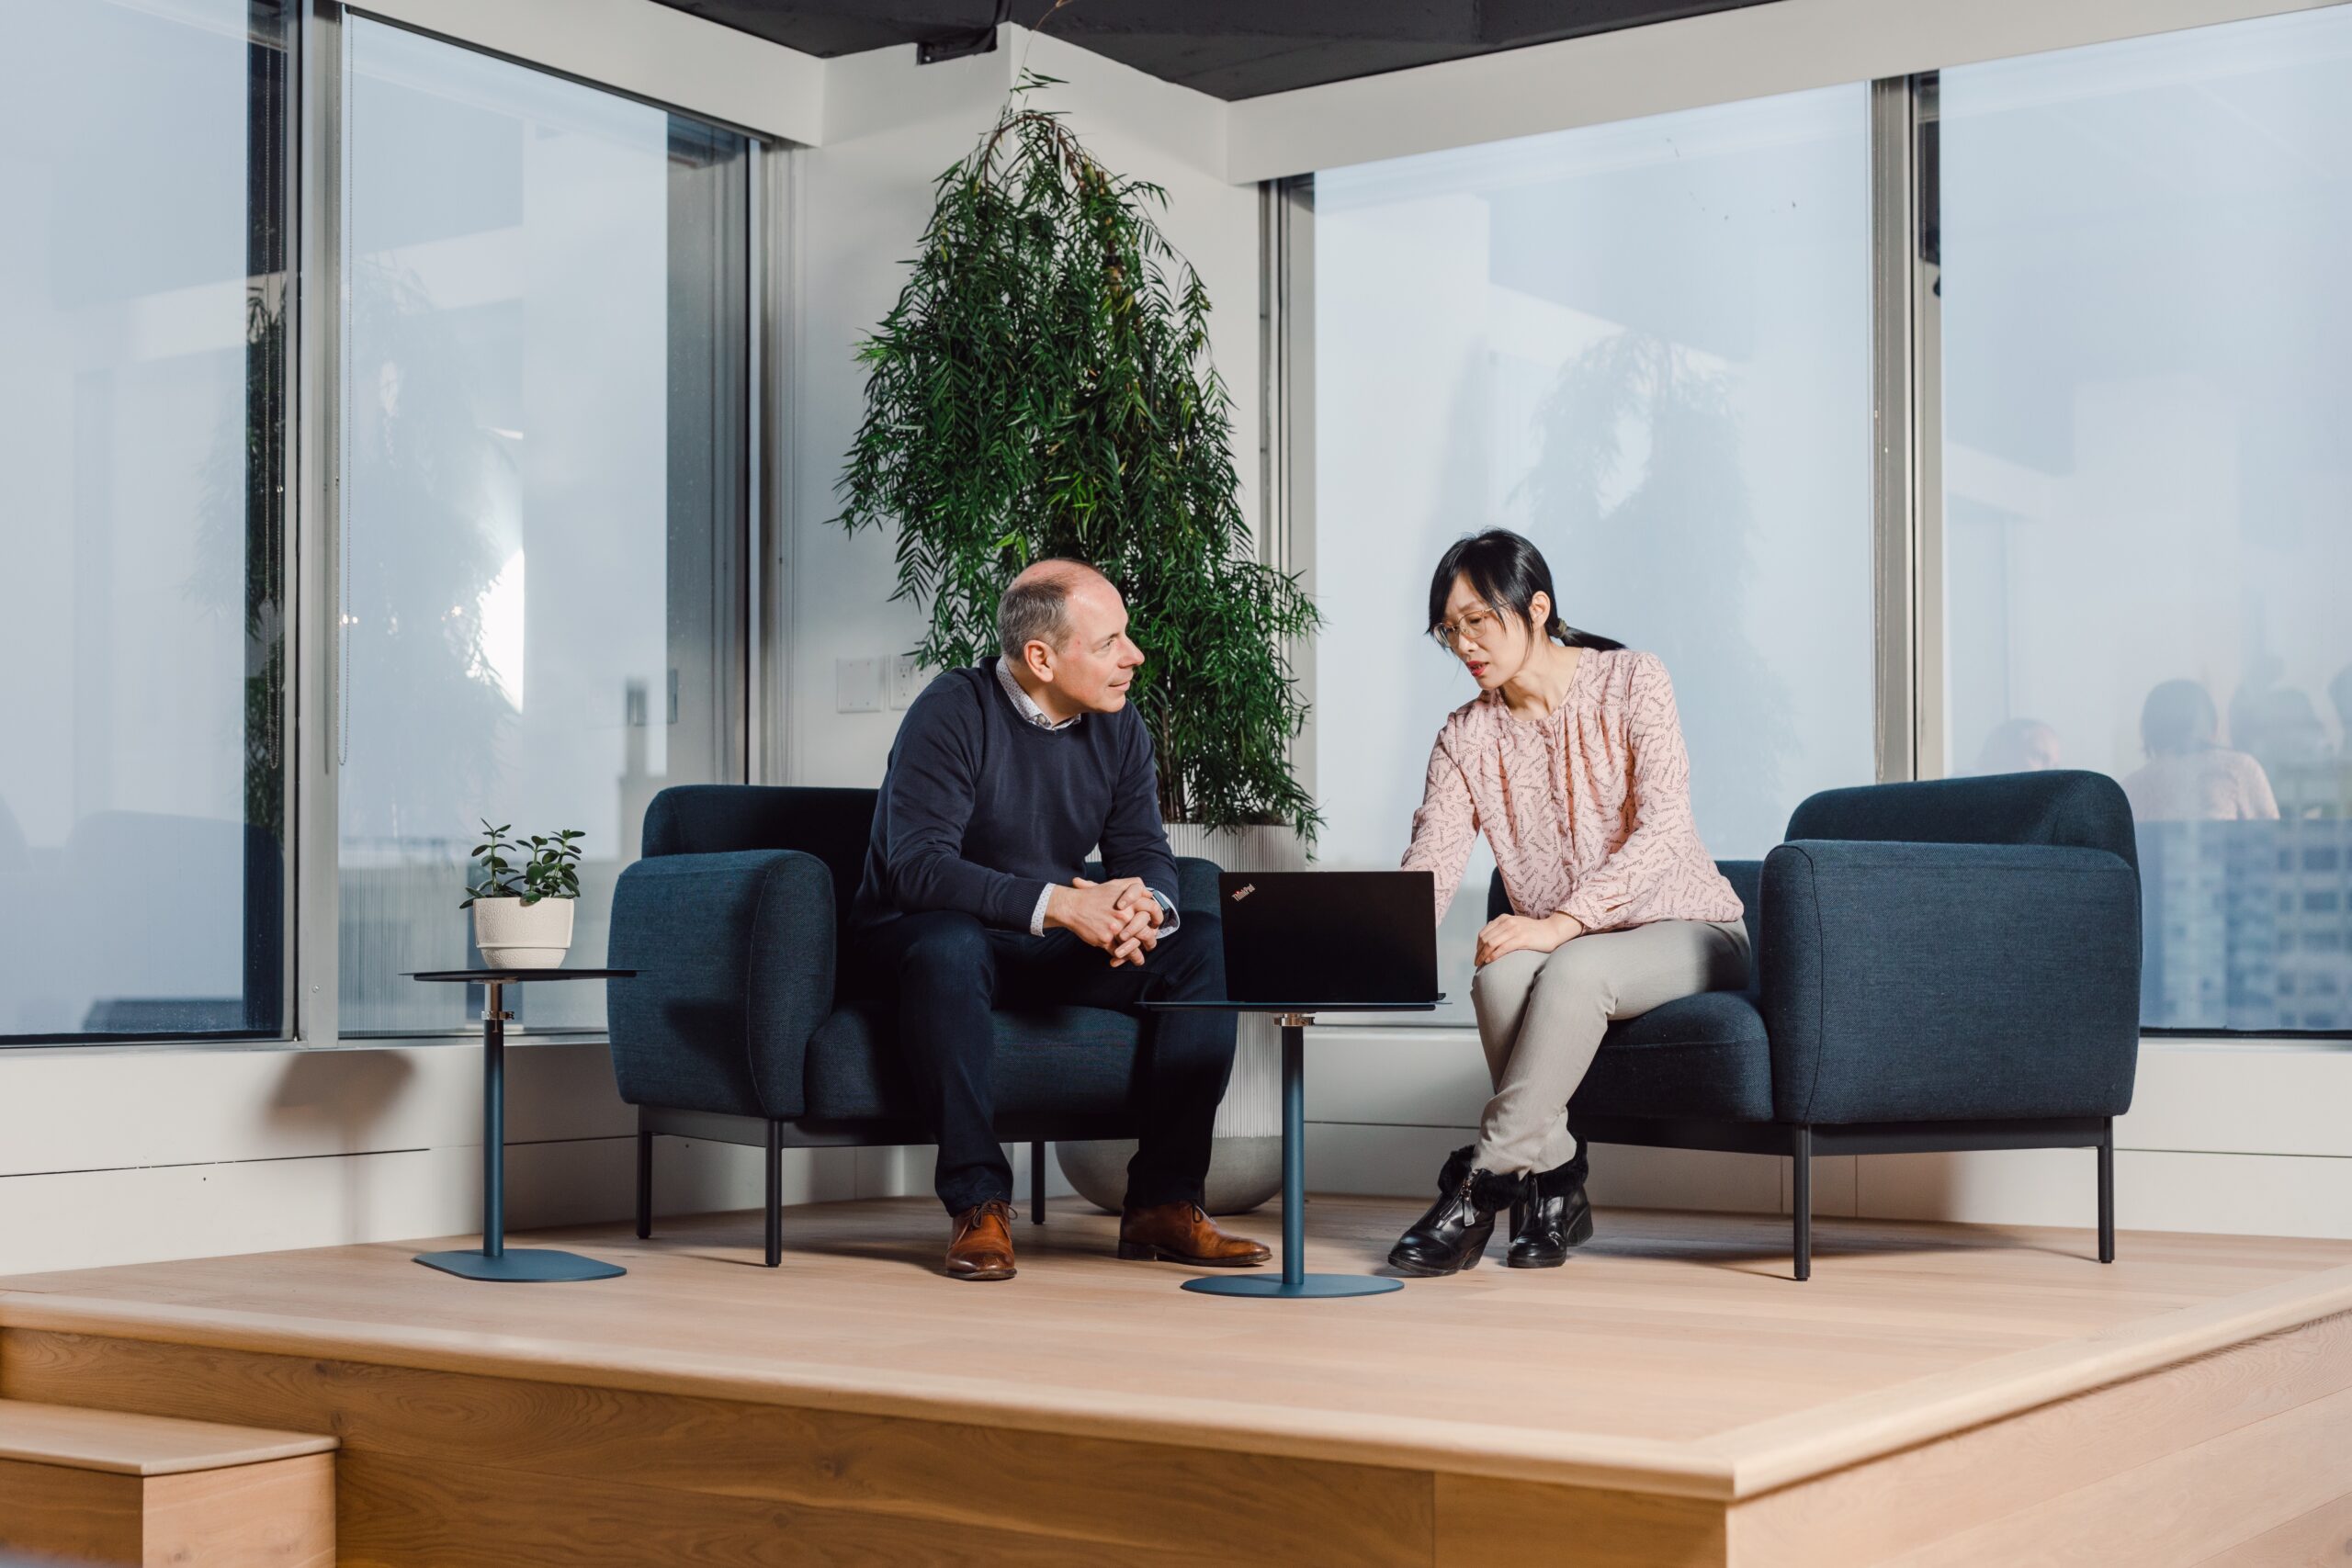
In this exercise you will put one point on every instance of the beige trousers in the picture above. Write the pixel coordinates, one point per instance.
(1540, 1016)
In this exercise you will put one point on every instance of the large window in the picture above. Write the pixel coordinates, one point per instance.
(543, 443)
(1645, 346)
(532, 328)
(142, 773)
(2147, 375)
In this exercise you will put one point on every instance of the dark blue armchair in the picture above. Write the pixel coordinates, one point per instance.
(734, 1030)
(1938, 966)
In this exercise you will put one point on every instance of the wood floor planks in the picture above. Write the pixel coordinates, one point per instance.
(279, 1514)
(1874, 1514)
(2319, 1538)
(1668, 1332)
(2177, 1511)
(72, 1515)
(73, 1434)
(1671, 1396)
(915, 1472)
(1485, 1523)
(405, 1512)
(273, 1514)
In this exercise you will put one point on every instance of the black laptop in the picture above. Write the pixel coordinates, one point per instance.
(1330, 939)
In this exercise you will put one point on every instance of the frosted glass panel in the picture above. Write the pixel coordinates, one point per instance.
(1645, 346)
(544, 406)
(2148, 371)
(142, 646)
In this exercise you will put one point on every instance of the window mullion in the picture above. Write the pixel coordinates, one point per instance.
(316, 607)
(1896, 434)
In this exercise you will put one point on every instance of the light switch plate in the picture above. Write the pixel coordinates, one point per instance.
(857, 685)
(906, 680)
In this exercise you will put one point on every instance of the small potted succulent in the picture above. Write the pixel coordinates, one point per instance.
(522, 905)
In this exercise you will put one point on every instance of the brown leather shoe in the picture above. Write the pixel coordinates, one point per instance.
(982, 1249)
(1182, 1233)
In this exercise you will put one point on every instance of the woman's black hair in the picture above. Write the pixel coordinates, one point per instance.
(2179, 718)
(1508, 573)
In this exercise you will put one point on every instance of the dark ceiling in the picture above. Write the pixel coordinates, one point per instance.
(1231, 48)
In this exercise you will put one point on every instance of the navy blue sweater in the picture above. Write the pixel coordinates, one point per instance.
(981, 808)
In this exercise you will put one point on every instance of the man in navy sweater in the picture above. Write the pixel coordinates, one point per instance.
(1003, 778)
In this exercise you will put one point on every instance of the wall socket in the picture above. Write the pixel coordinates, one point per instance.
(905, 681)
(857, 685)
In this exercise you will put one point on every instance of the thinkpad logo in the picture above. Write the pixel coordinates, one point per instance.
(1244, 891)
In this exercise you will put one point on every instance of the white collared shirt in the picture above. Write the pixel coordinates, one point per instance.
(1027, 703)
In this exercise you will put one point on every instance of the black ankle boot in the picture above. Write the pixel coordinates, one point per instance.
(1452, 1234)
(1575, 1171)
(1554, 1217)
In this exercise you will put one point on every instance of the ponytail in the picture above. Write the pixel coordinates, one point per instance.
(1508, 573)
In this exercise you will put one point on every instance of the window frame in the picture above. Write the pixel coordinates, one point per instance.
(283, 236)
(1911, 637)
(744, 691)
(310, 211)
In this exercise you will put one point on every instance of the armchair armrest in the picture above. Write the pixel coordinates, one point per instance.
(1195, 890)
(734, 954)
(1942, 982)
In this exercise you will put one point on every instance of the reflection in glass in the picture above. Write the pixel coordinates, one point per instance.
(142, 438)
(1645, 346)
(544, 421)
(2147, 354)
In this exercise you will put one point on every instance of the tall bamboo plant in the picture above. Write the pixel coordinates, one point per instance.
(1043, 387)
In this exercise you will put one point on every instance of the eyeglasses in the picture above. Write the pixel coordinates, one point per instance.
(1476, 626)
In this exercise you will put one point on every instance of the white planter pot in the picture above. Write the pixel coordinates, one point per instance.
(1246, 1149)
(515, 935)
(1252, 1104)
(1243, 1172)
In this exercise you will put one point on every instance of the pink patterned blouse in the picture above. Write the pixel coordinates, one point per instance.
(1588, 809)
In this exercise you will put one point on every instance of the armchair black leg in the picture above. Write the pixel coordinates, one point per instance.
(644, 1184)
(1801, 1198)
(774, 1160)
(2106, 1192)
(1037, 1182)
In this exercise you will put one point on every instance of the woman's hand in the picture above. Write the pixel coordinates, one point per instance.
(1510, 933)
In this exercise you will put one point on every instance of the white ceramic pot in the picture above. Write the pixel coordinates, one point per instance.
(1246, 1150)
(515, 935)
(1243, 1172)
(1252, 1104)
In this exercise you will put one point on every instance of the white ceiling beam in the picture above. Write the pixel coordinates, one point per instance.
(650, 50)
(1752, 51)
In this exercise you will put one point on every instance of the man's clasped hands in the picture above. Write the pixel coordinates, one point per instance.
(1120, 917)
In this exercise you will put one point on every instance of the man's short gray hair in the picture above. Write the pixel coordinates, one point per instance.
(1035, 607)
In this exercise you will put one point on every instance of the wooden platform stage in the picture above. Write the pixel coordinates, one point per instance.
(1935, 1395)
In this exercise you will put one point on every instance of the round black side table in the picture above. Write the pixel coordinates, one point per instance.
(494, 1262)
(1294, 1283)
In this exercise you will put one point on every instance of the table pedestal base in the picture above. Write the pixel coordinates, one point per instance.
(1305, 1287)
(494, 1259)
(521, 1264)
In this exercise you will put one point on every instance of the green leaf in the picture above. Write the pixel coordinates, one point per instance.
(1042, 387)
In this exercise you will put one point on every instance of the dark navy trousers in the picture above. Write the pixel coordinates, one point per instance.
(947, 973)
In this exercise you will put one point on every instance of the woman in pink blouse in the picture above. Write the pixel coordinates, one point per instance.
(1570, 761)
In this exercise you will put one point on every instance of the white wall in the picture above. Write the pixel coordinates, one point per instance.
(124, 1154)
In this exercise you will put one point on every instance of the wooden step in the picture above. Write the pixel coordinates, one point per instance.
(98, 1486)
